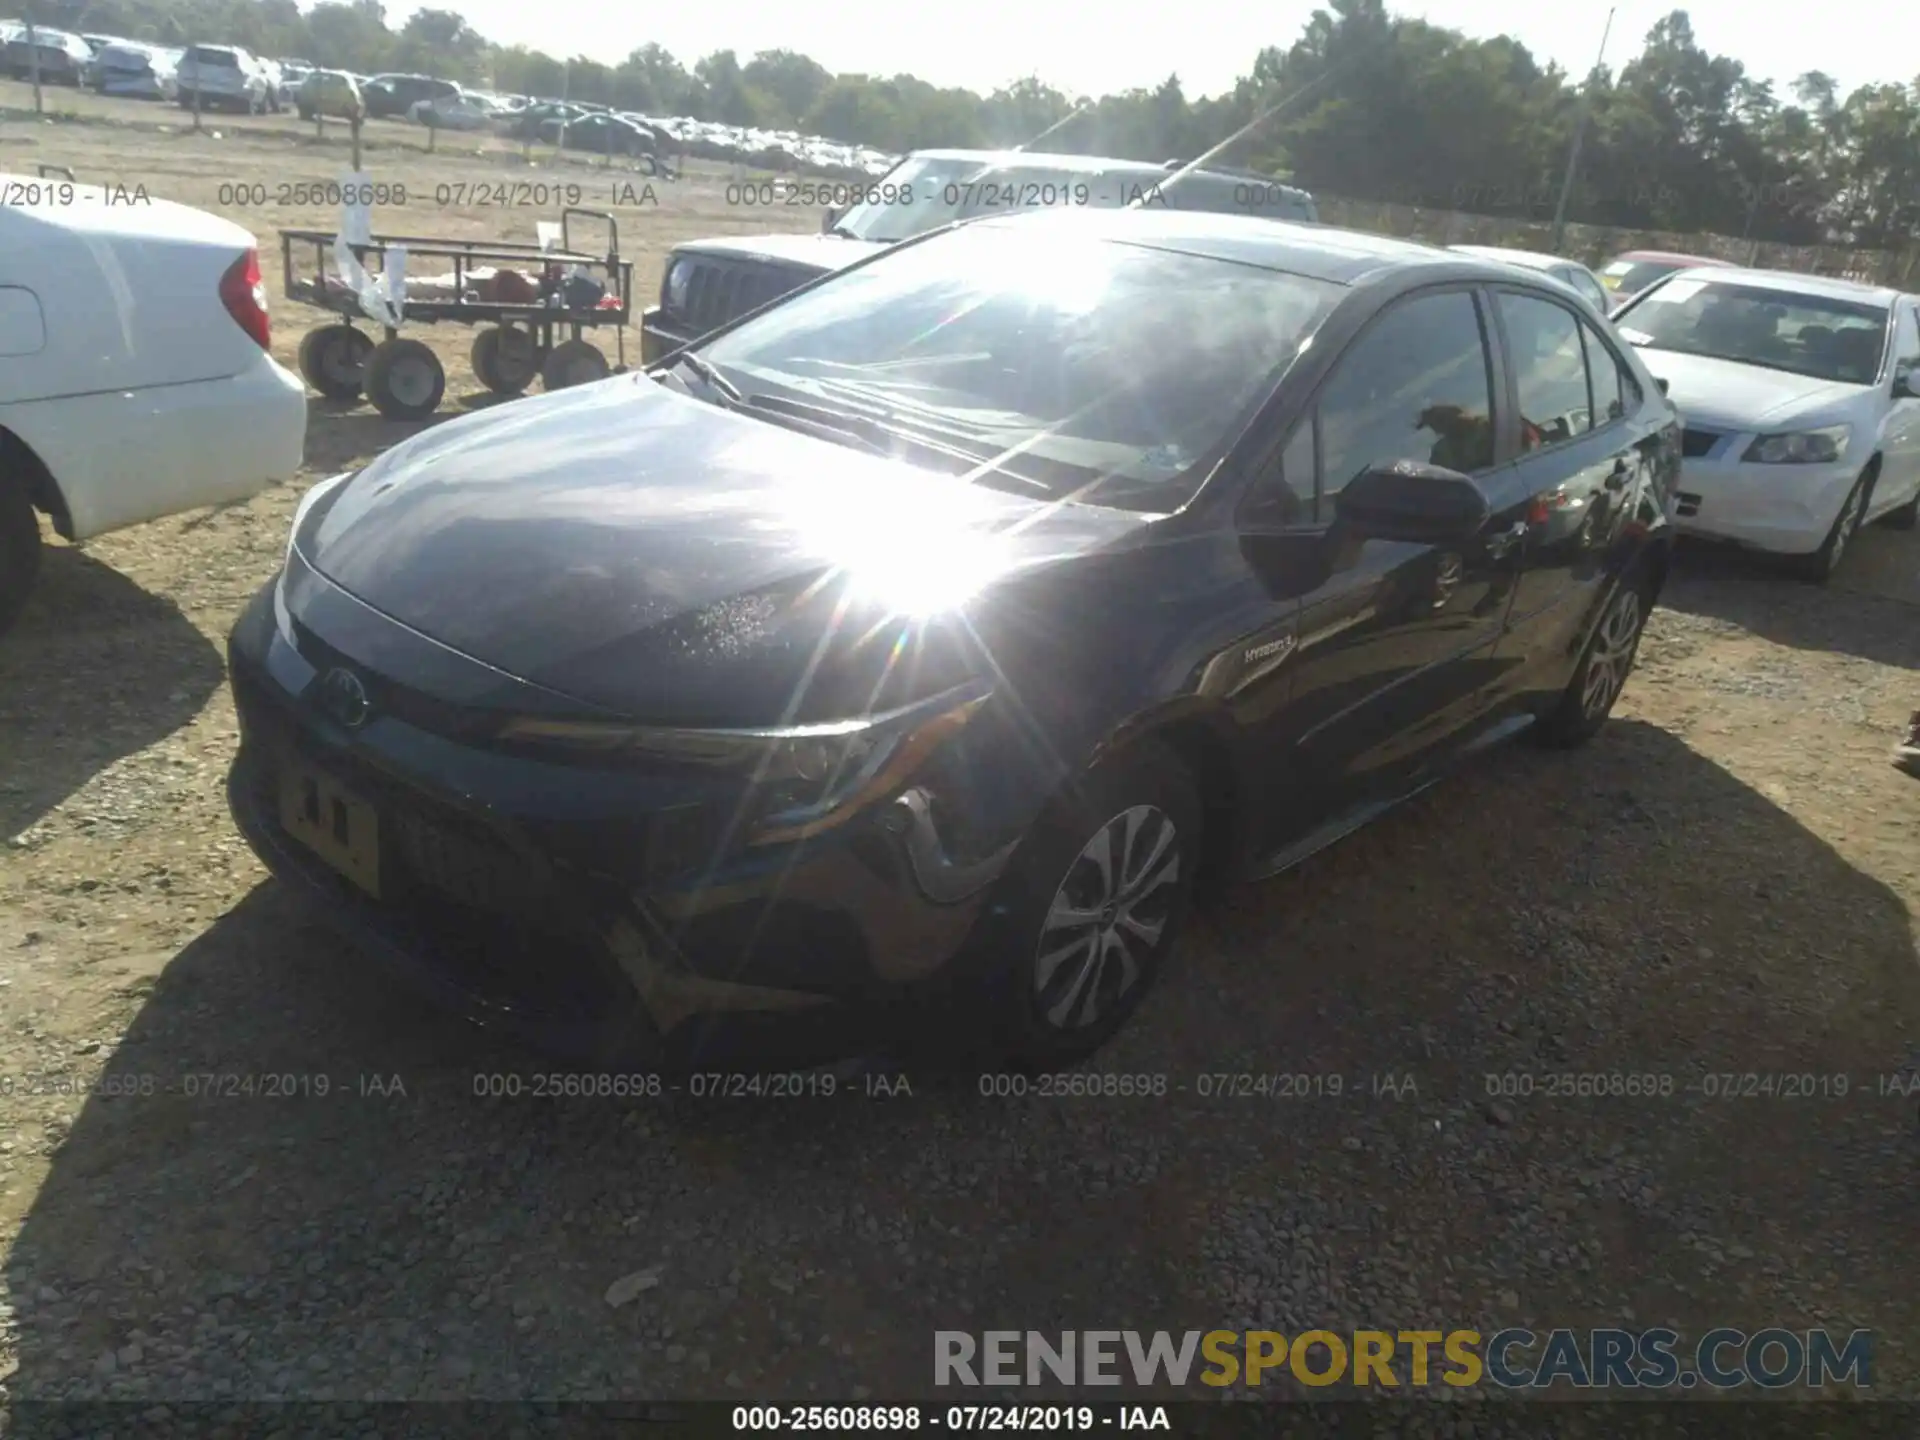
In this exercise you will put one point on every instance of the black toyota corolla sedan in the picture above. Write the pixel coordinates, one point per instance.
(924, 642)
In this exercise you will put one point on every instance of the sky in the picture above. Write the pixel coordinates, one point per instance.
(985, 44)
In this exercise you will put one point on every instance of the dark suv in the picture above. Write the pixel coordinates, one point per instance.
(709, 283)
(916, 647)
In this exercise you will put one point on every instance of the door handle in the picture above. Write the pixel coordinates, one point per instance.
(1618, 475)
(1506, 540)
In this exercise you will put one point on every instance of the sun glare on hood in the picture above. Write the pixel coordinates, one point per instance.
(862, 532)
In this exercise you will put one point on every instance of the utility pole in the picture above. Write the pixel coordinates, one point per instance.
(1579, 135)
(33, 60)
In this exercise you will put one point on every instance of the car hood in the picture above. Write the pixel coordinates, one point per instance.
(818, 253)
(656, 556)
(1732, 396)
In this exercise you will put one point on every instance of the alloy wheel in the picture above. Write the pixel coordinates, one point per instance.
(1612, 654)
(1844, 527)
(1109, 913)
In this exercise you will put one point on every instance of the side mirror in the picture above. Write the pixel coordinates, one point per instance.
(830, 219)
(1413, 502)
(1661, 381)
(1906, 381)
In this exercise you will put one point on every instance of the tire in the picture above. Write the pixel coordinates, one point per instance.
(1821, 566)
(573, 362)
(506, 359)
(306, 114)
(19, 549)
(1582, 709)
(333, 360)
(405, 380)
(1046, 970)
(1906, 517)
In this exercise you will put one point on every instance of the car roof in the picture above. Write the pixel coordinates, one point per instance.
(1531, 259)
(1788, 282)
(1319, 252)
(1046, 160)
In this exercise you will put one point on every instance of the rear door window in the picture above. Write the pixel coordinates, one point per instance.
(1549, 370)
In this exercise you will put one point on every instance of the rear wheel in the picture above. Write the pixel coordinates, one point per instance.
(333, 360)
(574, 362)
(1824, 563)
(1602, 673)
(1091, 906)
(405, 380)
(506, 358)
(19, 548)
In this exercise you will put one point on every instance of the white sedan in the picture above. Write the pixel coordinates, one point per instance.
(1801, 402)
(134, 375)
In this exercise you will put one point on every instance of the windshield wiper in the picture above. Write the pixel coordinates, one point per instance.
(877, 435)
(731, 392)
(843, 232)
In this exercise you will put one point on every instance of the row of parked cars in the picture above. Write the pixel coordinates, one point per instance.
(928, 638)
(232, 77)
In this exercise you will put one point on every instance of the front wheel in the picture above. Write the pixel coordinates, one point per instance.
(570, 363)
(1602, 673)
(1821, 566)
(19, 549)
(333, 359)
(405, 380)
(1092, 905)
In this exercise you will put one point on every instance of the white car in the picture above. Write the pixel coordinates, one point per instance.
(1571, 273)
(1801, 402)
(135, 379)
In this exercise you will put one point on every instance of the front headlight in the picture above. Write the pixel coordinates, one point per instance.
(282, 618)
(1800, 447)
(673, 289)
(804, 779)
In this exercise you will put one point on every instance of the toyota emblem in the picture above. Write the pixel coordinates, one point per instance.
(344, 698)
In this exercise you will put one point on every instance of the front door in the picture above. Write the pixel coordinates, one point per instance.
(1395, 646)
(1584, 458)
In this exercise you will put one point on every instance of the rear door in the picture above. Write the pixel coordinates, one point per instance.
(1582, 455)
(1395, 646)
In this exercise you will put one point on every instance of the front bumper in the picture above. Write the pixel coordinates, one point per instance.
(659, 336)
(572, 916)
(1784, 509)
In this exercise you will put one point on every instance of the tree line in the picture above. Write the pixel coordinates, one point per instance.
(1371, 107)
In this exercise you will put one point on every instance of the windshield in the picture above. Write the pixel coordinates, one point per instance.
(922, 193)
(1067, 365)
(1824, 339)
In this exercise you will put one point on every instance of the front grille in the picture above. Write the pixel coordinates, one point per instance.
(1696, 443)
(719, 291)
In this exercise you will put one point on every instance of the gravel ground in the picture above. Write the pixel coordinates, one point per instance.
(1723, 882)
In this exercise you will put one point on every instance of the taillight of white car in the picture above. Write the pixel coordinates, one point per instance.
(244, 293)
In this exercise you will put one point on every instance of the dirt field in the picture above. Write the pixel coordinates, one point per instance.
(1723, 884)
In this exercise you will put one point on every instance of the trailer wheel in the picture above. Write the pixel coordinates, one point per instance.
(506, 358)
(573, 362)
(333, 360)
(405, 380)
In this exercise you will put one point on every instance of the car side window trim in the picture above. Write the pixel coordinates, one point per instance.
(1631, 393)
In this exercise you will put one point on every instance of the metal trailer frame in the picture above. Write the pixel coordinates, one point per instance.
(545, 319)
